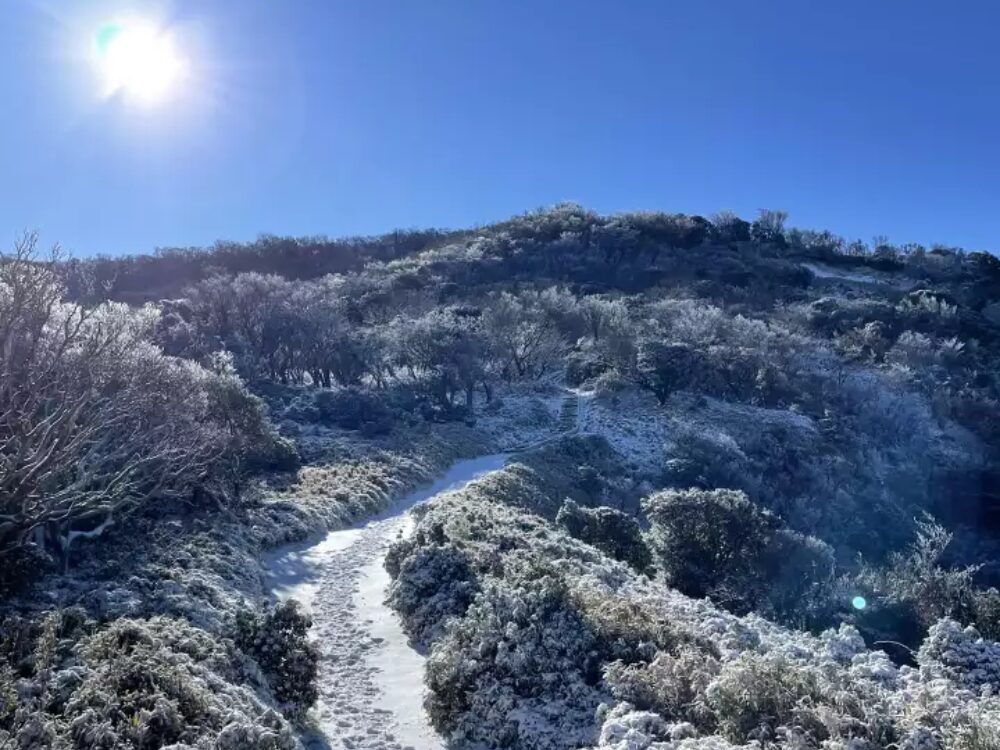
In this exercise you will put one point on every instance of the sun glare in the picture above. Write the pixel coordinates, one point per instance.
(140, 60)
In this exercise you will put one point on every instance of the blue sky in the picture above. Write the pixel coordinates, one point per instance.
(326, 116)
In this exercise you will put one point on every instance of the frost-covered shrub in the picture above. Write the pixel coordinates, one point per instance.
(756, 694)
(582, 468)
(136, 684)
(278, 640)
(8, 696)
(97, 423)
(961, 654)
(255, 444)
(431, 585)
(277, 454)
(727, 227)
(269, 732)
(610, 382)
(354, 409)
(708, 542)
(986, 612)
(720, 544)
(800, 574)
(769, 227)
(914, 590)
(301, 410)
(613, 532)
(671, 684)
(628, 630)
(707, 459)
(30, 645)
(667, 367)
(519, 646)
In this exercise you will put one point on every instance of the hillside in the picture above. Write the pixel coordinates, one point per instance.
(746, 490)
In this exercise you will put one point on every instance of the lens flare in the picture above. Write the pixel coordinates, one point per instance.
(138, 59)
(859, 603)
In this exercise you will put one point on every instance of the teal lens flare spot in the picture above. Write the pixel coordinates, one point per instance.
(106, 35)
(859, 602)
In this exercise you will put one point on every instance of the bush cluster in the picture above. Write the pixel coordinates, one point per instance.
(132, 683)
(719, 544)
(278, 641)
(531, 648)
(432, 585)
(613, 532)
(554, 631)
(97, 423)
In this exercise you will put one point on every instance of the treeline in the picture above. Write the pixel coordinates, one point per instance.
(141, 278)
(352, 332)
(628, 251)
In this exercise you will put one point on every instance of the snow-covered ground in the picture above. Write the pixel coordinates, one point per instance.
(520, 416)
(371, 680)
(631, 422)
(828, 272)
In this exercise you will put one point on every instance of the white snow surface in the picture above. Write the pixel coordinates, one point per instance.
(520, 416)
(857, 277)
(370, 678)
(631, 422)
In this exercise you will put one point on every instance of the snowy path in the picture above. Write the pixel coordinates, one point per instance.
(569, 422)
(371, 680)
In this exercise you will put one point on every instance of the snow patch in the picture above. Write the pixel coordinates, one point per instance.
(826, 272)
(632, 423)
(520, 415)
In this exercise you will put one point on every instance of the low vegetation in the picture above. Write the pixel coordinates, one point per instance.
(768, 425)
(556, 645)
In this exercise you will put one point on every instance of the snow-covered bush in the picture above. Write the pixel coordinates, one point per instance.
(584, 366)
(278, 640)
(254, 444)
(520, 657)
(668, 367)
(727, 227)
(136, 684)
(707, 459)
(432, 585)
(97, 423)
(756, 694)
(961, 654)
(708, 542)
(769, 227)
(914, 589)
(610, 382)
(800, 574)
(8, 696)
(613, 532)
(670, 685)
(720, 544)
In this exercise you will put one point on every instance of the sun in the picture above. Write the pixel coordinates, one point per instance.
(138, 59)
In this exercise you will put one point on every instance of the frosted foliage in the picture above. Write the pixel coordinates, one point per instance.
(960, 654)
(562, 647)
